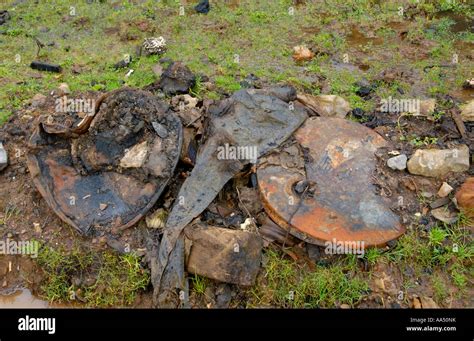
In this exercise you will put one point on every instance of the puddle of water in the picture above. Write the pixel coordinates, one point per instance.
(21, 299)
(357, 38)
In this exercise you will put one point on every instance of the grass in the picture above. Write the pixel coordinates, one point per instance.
(287, 284)
(116, 278)
(445, 248)
(199, 284)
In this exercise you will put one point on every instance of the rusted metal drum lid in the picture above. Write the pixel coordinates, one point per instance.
(321, 188)
(114, 171)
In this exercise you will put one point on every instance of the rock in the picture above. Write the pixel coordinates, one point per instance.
(428, 303)
(203, 7)
(380, 284)
(314, 252)
(326, 105)
(445, 215)
(416, 303)
(157, 69)
(345, 306)
(427, 106)
(302, 53)
(439, 162)
(103, 207)
(223, 296)
(117, 246)
(184, 102)
(465, 197)
(38, 100)
(468, 84)
(64, 89)
(444, 190)
(467, 113)
(398, 162)
(37, 228)
(439, 202)
(154, 46)
(160, 130)
(176, 79)
(135, 157)
(230, 256)
(157, 220)
(3, 157)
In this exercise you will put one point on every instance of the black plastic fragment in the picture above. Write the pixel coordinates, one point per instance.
(42, 66)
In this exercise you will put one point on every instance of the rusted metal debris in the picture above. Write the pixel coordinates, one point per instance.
(106, 170)
(321, 187)
(262, 119)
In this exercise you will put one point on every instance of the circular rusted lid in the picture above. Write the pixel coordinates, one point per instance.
(321, 188)
(110, 172)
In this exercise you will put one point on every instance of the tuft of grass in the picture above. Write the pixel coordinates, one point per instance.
(227, 83)
(117, 278)
(289, 285)
(447, 248)
(199, 284)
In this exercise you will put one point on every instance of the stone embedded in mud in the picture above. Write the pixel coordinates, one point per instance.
(38, 100)
(225, 255)
(467, 114)
(468, 84)
(444, 190)
(427, 106)
(135, 157)
(398, 162)
(439, 162)
(3, 157)
(177, 79)
(326, 105)
(465, 197)
(445, 215)
(302, 53)
(63, 89)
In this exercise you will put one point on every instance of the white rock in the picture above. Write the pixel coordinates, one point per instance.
(444, 190)
(439, 162)
(398, 162)
(326, 105)
(135, 157)
(64, 89)
(3, 157)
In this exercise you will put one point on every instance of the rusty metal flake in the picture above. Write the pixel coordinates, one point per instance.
(339, 201)
(82, 179)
